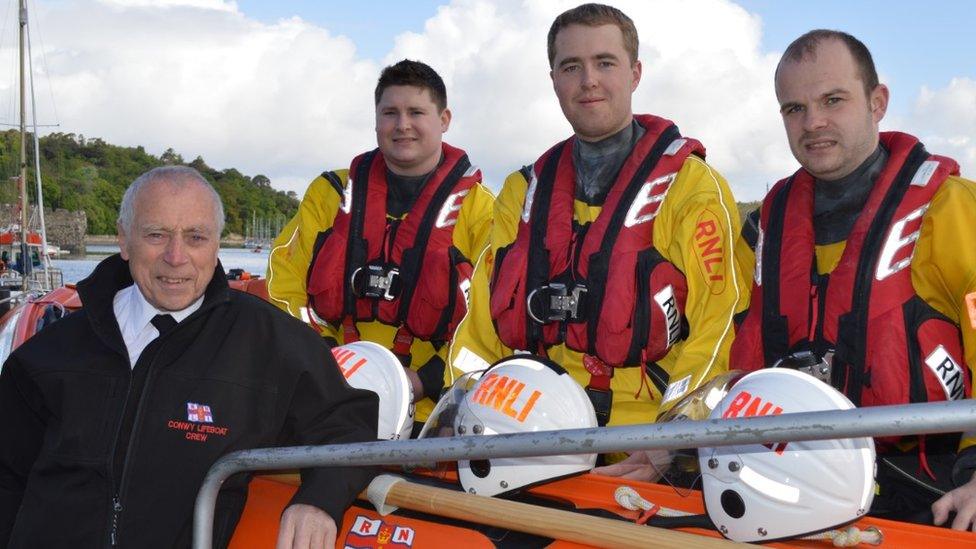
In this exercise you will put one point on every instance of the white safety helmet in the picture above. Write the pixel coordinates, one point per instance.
(522, 394)
(368, 365)
(758, 492)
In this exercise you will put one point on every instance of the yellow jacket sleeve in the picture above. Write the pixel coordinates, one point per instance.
(475, 344)
(696, 230)
(944, 264)
(291, 253)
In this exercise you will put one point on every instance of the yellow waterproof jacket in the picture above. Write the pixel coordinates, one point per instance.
(943, 265)
(291, 255)
(698, 195)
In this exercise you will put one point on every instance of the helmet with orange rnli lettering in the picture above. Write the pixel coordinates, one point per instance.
(522, 394)
(758, 492)
(370, 366)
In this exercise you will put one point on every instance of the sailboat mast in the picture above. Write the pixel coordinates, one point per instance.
(45, 259)
(22, 183)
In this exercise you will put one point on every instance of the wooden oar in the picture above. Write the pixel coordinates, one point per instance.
(532, 519)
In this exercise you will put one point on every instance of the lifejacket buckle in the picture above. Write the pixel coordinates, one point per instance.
(809, 363)
(379, 283)
(564, 304)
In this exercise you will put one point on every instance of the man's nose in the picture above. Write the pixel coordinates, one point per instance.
(589, 79)
(403, 121)
(175, 253)
(814, 119)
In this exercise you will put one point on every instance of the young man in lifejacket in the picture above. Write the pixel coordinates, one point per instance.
(383, 251)
(611, 254)
(864, 259)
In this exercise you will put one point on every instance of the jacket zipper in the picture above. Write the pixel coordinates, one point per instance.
(117, 506)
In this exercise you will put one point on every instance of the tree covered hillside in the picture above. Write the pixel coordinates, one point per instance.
(80, 173)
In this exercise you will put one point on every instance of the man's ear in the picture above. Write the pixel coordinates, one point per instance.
(445, 119)
(122, 239)
(879, 102)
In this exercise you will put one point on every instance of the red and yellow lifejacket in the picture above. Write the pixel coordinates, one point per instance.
(602, 290)
(402, 272)
(889, 346)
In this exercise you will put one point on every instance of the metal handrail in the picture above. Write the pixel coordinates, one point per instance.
(876, 421)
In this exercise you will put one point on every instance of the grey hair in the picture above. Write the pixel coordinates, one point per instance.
(178, 175)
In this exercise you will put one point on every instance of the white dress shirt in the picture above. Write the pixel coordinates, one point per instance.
(134, 313)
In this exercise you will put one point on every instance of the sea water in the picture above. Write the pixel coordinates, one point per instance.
(75, 270)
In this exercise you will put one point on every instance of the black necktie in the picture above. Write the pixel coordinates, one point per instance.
(163, 323)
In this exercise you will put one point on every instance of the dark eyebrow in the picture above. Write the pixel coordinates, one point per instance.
(599, 57)
(836, 91)
(569, 60)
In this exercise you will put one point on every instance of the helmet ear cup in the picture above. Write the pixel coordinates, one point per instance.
(481, 468)
(732, 504)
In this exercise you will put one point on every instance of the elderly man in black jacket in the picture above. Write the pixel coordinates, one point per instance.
(110, 418)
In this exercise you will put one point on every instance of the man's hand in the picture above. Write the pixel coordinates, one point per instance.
(415, 384)
(644, 465)
(962, 500)
(306, 527)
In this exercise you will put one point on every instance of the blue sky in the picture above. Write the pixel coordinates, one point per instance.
(913, 43)
(284, 88)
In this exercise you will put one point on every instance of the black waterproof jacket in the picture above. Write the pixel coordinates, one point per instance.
(91, 449)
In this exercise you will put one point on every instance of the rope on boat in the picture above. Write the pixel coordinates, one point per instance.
(628, 498)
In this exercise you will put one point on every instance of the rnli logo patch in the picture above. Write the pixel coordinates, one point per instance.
(710, 242)
(672, 317)
(367, 532)
(199, 413)
(948, 372)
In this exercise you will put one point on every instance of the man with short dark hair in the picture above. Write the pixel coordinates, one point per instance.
(612, 253)
(863, 266)
(382, 251)
(113, 415)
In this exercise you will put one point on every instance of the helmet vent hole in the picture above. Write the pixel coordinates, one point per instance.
(481, 468)
(732, 504)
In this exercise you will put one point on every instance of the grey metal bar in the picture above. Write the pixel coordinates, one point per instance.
(878, 421)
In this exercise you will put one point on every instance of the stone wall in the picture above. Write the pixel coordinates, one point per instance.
(64, 229)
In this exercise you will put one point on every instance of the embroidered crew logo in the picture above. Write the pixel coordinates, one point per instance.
(449, 211)
(199, 413)
(648, 200)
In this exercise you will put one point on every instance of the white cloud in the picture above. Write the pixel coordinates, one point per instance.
(290, 99)
(945, 120)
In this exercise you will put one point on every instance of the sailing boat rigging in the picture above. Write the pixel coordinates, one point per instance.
(25, 246)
